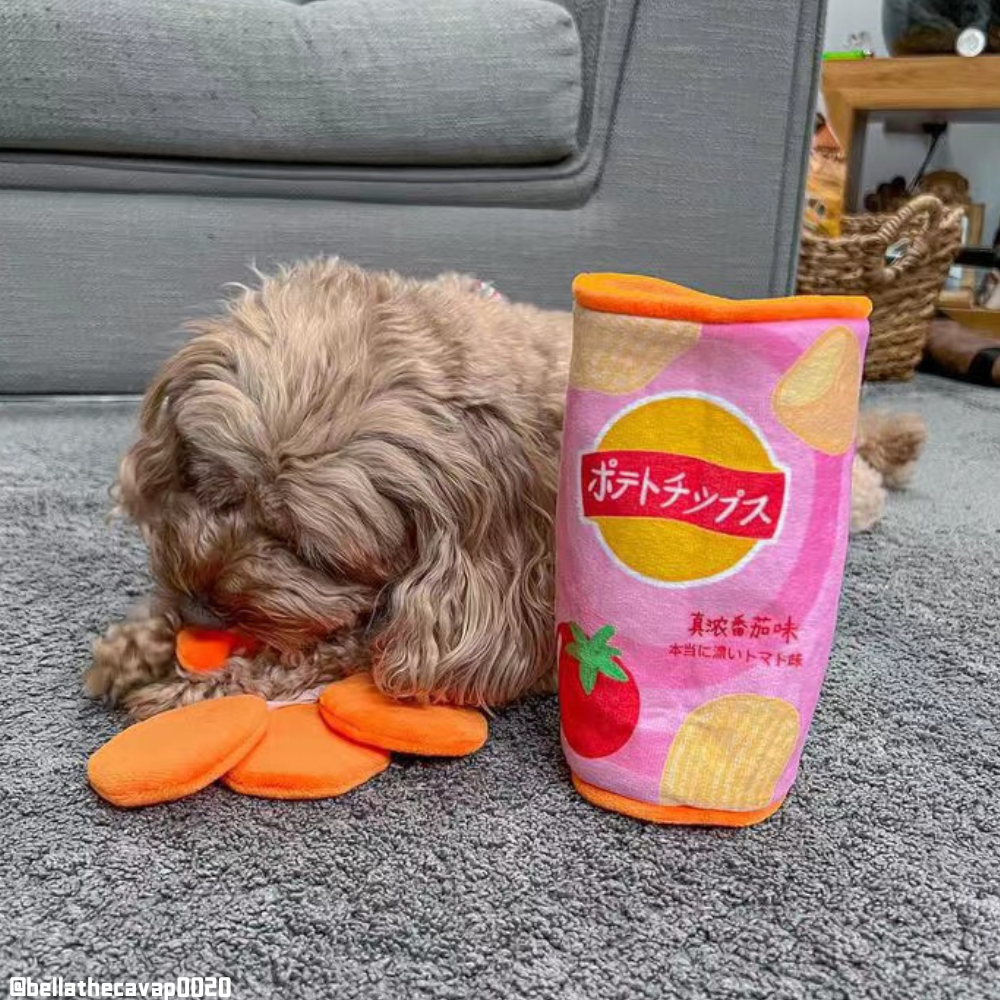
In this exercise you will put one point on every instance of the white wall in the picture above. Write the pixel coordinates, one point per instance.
(972, 150)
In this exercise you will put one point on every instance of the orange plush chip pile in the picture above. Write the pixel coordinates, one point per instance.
(301, 751)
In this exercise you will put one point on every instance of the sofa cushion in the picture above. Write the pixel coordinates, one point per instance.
(440, 82)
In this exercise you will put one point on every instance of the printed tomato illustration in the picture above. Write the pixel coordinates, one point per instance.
(598, 699)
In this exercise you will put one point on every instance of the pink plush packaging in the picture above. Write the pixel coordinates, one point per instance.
(702, 530)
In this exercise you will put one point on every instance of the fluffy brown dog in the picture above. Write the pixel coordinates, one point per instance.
(358, 470)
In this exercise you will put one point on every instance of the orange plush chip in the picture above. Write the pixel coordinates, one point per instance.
(202, 650)
(355, 708)
(302, 758)
(179, 752)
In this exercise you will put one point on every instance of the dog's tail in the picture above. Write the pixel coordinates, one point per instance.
(891, 443)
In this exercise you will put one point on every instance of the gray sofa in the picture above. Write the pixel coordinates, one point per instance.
(152, 150)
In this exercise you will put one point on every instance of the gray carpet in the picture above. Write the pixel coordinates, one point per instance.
(488, 877)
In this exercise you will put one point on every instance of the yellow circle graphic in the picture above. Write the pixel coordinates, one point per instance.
(672, 551)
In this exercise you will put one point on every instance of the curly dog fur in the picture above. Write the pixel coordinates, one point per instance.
(359, 470)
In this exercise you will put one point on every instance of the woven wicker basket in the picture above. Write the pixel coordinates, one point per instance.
(904, 292)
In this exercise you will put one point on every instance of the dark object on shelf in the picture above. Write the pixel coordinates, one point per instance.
(948, 185)
(888, 196)
(986, 257)
(928, 27)
(904, 284)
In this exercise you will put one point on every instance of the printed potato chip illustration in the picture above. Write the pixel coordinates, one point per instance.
(729, 753)
(600, 362)
(817, 398)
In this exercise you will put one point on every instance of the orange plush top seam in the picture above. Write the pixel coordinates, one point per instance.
(637, 295)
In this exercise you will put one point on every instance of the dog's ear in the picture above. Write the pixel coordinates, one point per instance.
(152, 464)
(444, 630)
(156, 461)
(470, 622)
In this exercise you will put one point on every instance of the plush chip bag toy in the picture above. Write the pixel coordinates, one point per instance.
(702, 530)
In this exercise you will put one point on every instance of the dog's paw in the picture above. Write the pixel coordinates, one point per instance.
(867, 496)
(147, 700)
(130, 655)
(891, 443)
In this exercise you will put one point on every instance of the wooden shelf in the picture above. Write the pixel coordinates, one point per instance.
(913, 89)
(948, 88)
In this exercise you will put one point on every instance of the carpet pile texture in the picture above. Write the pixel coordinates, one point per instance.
(489, 877)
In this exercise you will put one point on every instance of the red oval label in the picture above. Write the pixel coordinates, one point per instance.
(681, 488)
